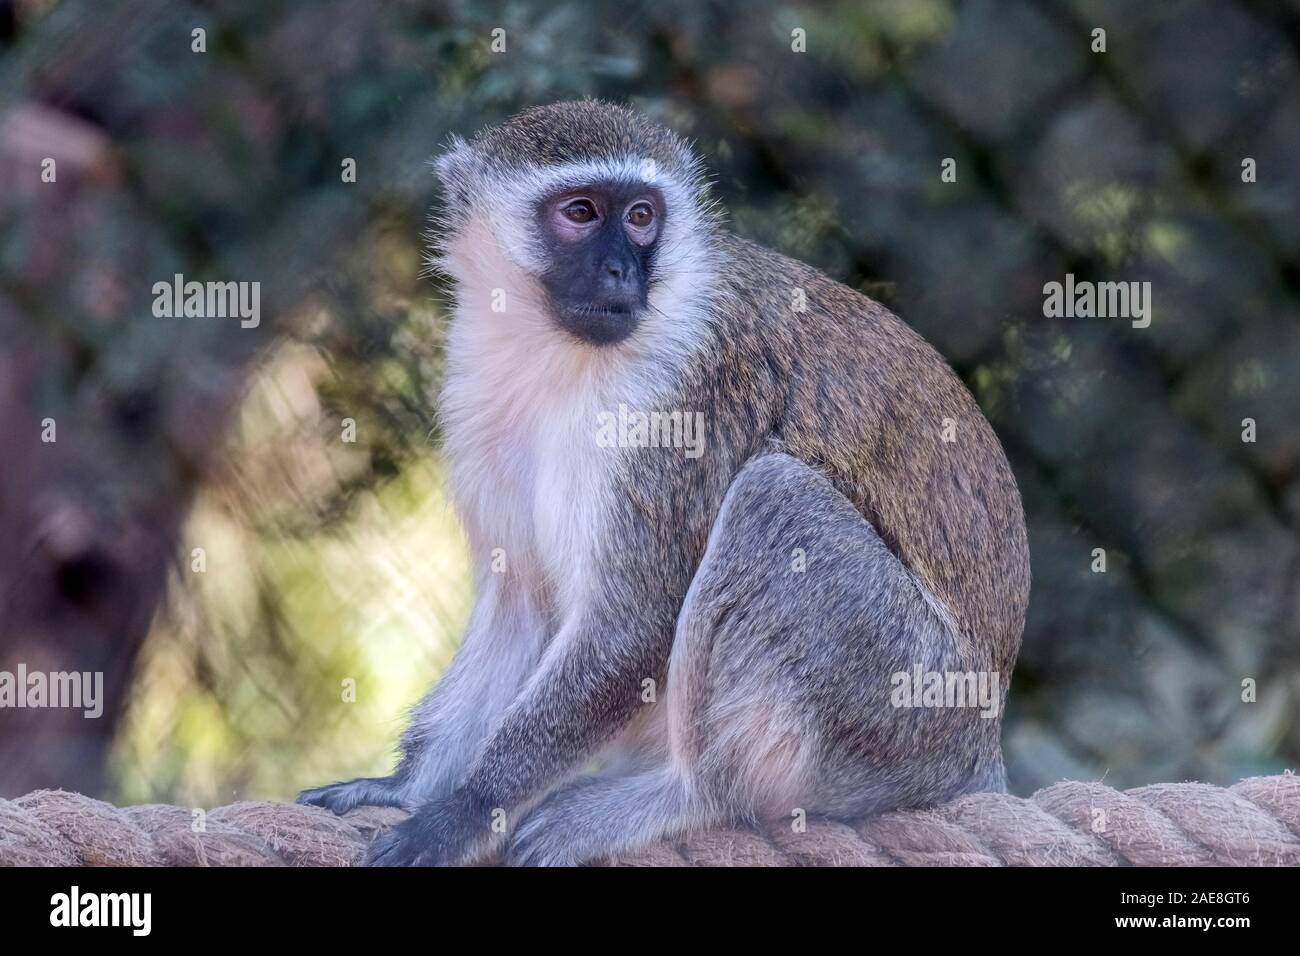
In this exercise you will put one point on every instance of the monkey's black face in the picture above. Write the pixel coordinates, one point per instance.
(601, 239)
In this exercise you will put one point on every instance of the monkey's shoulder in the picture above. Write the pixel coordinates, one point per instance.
(796, 309)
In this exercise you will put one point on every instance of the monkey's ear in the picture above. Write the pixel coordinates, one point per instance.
(453, 165)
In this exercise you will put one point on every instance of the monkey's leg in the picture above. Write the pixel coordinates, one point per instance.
(501, 647)
(779, 684)
(798, 633)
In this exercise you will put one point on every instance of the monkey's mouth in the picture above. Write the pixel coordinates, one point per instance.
(602, 323)
(621, 306)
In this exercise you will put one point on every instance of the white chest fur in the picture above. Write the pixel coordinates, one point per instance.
(520, 408)
(521, 403)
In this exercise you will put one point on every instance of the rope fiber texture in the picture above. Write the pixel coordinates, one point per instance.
(1253, 823)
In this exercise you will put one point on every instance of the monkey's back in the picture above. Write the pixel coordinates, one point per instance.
(866, 399)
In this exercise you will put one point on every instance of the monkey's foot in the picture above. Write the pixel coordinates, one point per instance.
(548, 836)
(593, 818)
(451, 830)
(393, 848)
(362, 792)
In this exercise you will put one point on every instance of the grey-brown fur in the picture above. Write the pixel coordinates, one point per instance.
(823, 433)
(580, 131)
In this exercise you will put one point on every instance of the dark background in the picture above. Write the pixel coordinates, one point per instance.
(331, 562)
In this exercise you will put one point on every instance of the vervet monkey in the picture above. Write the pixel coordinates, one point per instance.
(661, 642)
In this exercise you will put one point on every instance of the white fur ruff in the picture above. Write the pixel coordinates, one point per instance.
(521, 397)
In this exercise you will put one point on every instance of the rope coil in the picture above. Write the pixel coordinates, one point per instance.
(1253, 823)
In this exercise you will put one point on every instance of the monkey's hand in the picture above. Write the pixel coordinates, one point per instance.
(362, 792)
(444, 832)
(580, 697)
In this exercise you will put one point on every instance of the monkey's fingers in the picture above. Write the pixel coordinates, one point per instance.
(392, 848)
(345, 795)
(443, 832)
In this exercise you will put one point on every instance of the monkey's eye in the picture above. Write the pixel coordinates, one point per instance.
(579, 211)
(641, 214)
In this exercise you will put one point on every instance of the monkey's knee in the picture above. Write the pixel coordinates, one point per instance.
(788, 549)
(783, 521)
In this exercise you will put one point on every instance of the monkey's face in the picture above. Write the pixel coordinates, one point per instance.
(600, 241)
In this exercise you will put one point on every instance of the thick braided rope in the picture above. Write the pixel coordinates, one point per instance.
(1253, 823)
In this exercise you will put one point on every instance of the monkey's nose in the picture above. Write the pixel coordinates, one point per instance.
(619, 277)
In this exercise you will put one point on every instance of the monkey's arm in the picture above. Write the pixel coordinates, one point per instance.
(501, 646)
(587, 687)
